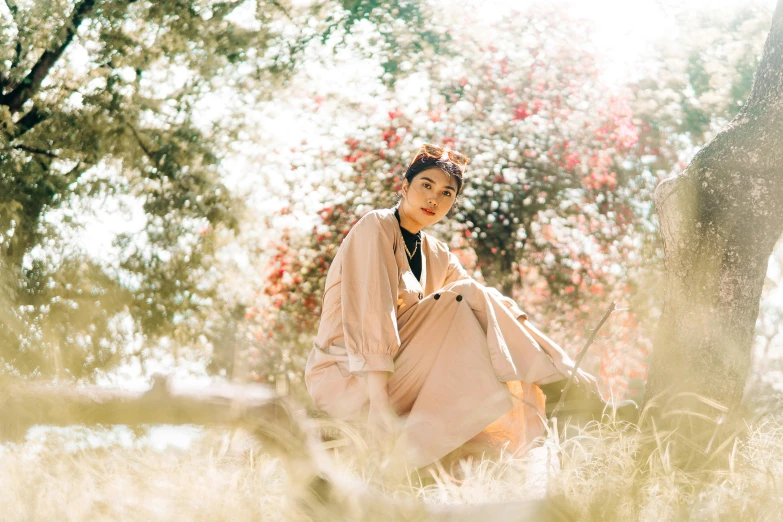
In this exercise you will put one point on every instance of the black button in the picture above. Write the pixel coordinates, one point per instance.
(459, 298)
(437, 296)
(421, 296)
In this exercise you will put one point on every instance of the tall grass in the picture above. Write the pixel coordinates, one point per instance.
(138, 484)
(603, 472)
(610, 474)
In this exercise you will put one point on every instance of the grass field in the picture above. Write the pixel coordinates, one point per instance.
(607, 472)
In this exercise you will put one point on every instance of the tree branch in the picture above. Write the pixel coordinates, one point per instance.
(222, 10)
(141, 144)
(28, 121)
(29, 404)
(281, 8)
(17, 55)
(29, 86)
(35, 150)
(76, 172)
(268, 418)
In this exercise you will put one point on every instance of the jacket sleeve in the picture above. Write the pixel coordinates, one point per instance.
(369, 294)
(455, 272)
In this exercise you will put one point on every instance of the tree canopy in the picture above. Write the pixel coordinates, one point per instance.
(134, 101)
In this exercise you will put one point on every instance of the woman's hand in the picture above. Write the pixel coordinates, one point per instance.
(382, 420)
(565, 365)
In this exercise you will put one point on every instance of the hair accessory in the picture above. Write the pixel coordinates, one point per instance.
(434, 151)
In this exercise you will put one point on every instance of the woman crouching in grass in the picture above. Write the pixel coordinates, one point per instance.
(406, 333)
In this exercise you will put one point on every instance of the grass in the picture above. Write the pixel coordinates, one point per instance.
(130, 484)
(605, 472)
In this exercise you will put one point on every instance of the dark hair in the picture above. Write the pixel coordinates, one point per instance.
(424, 162)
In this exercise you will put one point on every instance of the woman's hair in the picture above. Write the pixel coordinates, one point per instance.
(425, 162)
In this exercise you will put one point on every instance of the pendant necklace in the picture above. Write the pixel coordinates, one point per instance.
(404, 244)
(410, 255)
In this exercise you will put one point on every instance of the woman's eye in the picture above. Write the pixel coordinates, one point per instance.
(425, 185)
(447, 193)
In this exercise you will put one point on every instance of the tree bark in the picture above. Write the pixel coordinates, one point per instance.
(720, 220)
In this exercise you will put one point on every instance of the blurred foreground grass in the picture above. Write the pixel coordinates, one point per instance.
(598, 475)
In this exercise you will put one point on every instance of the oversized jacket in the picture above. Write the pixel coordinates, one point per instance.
(370, 287)
(462, 364)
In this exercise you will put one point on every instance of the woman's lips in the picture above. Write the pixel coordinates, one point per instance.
(428, 212)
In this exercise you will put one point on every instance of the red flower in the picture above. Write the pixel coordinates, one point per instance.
(521, 111)
(353, 158)
(572, 160)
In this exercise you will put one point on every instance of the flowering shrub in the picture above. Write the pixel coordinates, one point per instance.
(547, 212)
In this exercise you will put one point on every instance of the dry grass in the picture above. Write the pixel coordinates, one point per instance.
(129, 484)
(603, 473)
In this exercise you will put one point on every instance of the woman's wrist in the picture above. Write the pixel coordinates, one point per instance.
(377, 387)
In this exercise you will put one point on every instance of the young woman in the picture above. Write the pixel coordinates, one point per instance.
(404, 328)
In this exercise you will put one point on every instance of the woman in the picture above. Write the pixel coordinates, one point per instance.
(405, 328)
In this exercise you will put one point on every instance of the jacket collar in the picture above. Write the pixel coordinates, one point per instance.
(387, 214)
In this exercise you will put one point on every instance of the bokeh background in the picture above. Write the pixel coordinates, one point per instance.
(176, 176)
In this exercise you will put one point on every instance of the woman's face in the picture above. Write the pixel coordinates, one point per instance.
(428, 198)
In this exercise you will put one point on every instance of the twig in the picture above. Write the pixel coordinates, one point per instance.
(36, 150)
(281, 8)
(80, 168)
(221, 10)
(581, 356)
(141, 144)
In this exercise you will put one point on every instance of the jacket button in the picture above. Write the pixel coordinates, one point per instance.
(436, 296)
(459, 298)
(421, 296)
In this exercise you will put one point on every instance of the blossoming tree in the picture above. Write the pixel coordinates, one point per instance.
(547, 209)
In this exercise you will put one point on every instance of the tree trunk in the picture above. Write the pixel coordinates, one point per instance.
(720, 220)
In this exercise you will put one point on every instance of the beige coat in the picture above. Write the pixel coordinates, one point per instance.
(455, 348)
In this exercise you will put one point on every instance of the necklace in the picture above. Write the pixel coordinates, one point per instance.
(410, 255)
(408, 252)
